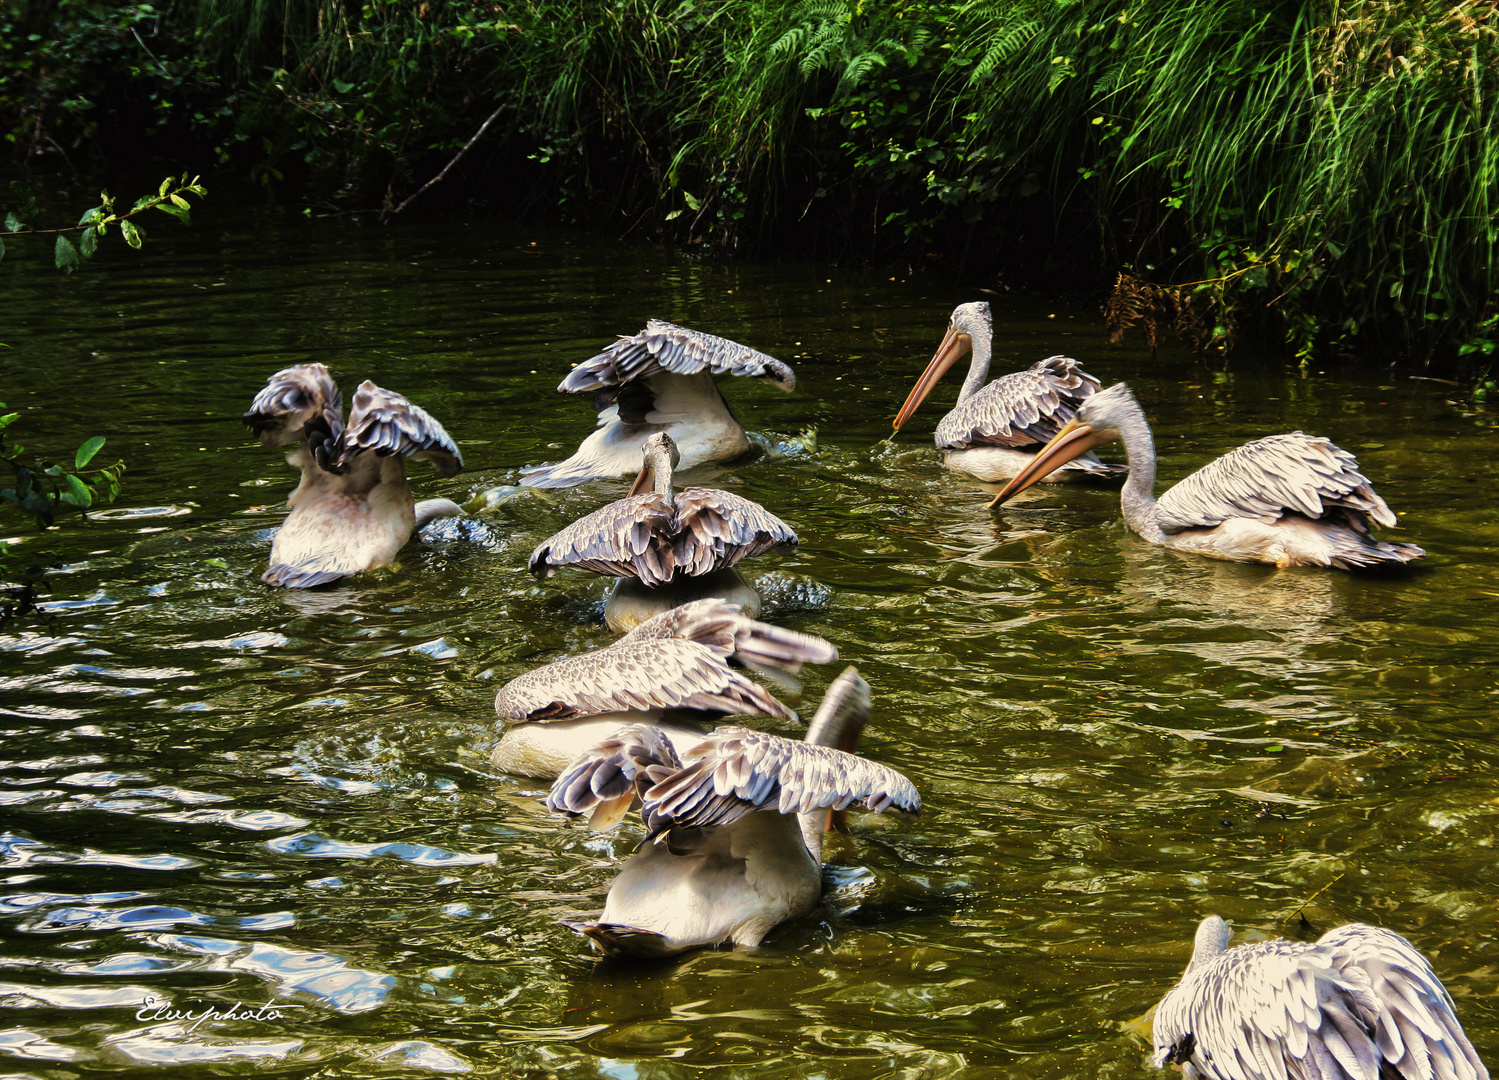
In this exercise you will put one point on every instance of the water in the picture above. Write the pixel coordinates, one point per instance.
(214, 794)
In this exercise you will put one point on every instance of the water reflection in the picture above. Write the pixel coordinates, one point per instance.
(214, 792)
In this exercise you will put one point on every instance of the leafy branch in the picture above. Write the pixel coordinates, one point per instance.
(43, 485)
(171, 198)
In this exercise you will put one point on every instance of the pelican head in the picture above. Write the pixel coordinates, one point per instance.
(661, 459)
(969, 322)
(1100, 419)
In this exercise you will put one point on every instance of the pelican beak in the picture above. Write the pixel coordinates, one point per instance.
(954, 346)
(646, 481)
(1074, 440)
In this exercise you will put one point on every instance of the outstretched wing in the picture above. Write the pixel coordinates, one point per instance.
(604, 781)
(715, 530)
(664, 346)
(635, 675)
(291, 399)
(1268, 478)
(1022, 409)
(386, 423)
(631, 537)
(723, 628)
(1416, 1028)
(737, 771)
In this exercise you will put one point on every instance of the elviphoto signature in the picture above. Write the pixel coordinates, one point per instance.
(156, 1011)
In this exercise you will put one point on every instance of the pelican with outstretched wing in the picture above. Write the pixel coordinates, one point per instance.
(353, 510)
(1286, 500)
(734, 826)
(679, 670)
(660, 379)
(666, 548)
(996, 428)
(1360, 1003)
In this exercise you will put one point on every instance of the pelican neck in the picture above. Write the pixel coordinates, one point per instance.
(1137, 498)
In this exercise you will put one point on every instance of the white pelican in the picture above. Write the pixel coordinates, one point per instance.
(677, 547)
(1359, 1004)
(1287, 500)
(733, 828)
(353, 510)
(672, 670)
(994, 431)
(660, 379)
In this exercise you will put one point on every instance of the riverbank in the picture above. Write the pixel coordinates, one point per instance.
(1322, 173)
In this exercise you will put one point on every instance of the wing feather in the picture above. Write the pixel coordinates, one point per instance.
(604, 781)
(664, 346)
(630, 537)
(1268, 478)
(290, 399)
(737, 771)
(1025, 408)
(716, 529)
(386, 423)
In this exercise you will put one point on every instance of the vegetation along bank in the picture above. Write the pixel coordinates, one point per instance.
(1325, 171)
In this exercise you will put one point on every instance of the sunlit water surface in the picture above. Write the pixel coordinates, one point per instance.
(213, 793)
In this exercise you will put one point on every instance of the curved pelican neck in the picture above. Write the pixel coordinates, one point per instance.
(661, 471)
(978, 367)
(1137, 498)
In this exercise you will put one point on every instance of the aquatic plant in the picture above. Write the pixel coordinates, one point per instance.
(170, 199)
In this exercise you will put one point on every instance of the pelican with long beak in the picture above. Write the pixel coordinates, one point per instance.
(1360, 1003)
(995, 430)
(734, 827)
(353, 509)
(666, 548)
(660, 379)
(1286, 500)
(678, 671)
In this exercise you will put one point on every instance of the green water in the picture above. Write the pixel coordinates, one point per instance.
(215, 793)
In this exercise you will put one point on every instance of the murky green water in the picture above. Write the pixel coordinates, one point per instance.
(214, 793)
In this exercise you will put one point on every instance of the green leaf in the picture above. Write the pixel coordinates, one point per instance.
(66, 255)
(2, 249)
(178, 200)
(88, 243)
(36, 503)
(77, 494)
(13, 223)
(143, 202)
(1275, 749)
(91, 216)
(23, 483)
(691, 202)
(166, 186)
(131, 233)
(8, 419)
(87, 451)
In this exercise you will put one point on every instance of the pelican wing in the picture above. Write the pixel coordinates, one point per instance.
(1338, 1009)
(1268, 478)
(664, 346)
(604, 781)
(631, 537)
(386, 423)
(291, 399)
(1022, 409)
(635, 675)
(715, 530)
(1416, 1028)
(736, 771)
(721, 627)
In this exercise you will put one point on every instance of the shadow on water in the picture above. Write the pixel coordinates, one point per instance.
(216, 796)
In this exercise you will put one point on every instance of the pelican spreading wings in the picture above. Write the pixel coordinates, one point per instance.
(660, 379)
(1358, 1004)
(1287, 500)
(679, 669)
(733, 827)
(995, 429)
(664, 540)
(353, 510)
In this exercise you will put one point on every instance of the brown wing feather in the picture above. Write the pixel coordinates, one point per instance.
(664, 346)
(715, 530)
(290, 399)
(1022, 409)
(387, 423)
(630, 537)
(1268, 478)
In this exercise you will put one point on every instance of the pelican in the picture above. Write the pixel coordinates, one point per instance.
(733, 828)
(1287, 500)
(352, 510)
(666, 548)
(672, 670)
(995, 430)
(660, 379)
(1358, 1004)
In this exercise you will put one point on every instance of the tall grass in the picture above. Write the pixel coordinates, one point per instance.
(1332, 161)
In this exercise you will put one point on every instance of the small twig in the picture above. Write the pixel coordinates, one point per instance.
(1316, 894)
(466, 147)
(149, 53)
